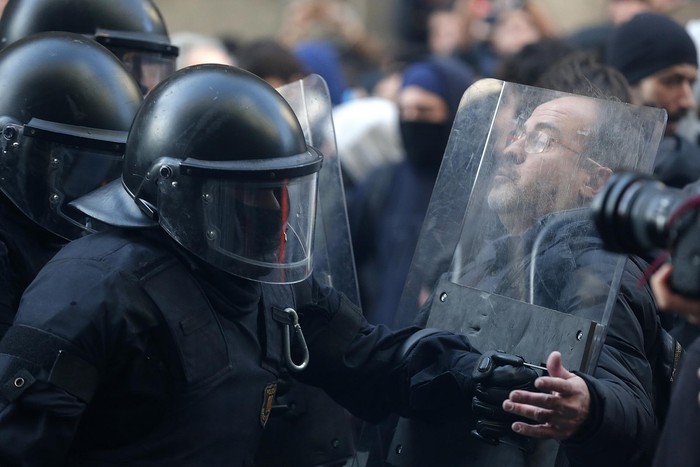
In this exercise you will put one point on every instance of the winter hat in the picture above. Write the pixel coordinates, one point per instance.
(321, 57)
(648, 43)
(445, 76)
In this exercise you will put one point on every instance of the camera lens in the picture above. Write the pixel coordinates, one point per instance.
(632, 212)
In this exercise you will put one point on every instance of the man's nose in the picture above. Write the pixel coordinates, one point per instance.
(514, 153)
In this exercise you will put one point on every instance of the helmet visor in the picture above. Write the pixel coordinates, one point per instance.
(41, 176)
(149, 57)
(258, 230)
(148, 68)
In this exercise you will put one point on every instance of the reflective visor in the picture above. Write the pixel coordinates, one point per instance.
(148, 68)
(258, 230)
(150, 58)
(45, 165)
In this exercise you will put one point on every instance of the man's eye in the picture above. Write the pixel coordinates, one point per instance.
(539, 141)
(672, 81)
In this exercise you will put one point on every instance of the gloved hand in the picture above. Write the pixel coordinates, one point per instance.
(495, 376)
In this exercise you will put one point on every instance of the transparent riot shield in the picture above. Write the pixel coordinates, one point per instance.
(306, 427)
(508, 254)
(333, 263)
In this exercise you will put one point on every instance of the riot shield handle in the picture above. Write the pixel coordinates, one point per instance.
(514, 360)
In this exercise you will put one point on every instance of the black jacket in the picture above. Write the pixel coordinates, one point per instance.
(678, 446)
(677, 161)
(125, 352)
(570, 266)
(24, 249)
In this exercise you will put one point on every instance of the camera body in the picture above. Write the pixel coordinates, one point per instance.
(637, 214)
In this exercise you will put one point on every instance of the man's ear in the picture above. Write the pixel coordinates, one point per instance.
(597, 178)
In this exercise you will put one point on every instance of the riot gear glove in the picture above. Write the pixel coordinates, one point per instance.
(495, 376)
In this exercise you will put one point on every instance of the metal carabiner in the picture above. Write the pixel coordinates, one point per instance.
(288, 342)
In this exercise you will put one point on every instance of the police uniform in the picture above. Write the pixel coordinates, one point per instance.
(24, 250)
(153, 359)
(58, 142)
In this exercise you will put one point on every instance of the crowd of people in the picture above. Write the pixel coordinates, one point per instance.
(169, 270)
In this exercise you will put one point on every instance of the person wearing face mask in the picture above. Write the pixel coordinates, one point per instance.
(386, 211)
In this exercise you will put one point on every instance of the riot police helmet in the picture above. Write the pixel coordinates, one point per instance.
(134, 30)
(66, 104)
(218, 158)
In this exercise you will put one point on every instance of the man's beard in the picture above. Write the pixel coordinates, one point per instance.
(676, 117)
(672, 118)
(503, 196)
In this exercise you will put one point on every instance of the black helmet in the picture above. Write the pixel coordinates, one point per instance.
(133, 30)
(66, 104)
(218, 158)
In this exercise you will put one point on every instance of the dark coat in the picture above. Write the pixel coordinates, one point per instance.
(622, 427)
(386, 214)
(677, 162)
(24, 249)
(678, 446)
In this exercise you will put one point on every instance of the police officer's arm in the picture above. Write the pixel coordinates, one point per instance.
(8, 304)
(374, 371)
(50, 361)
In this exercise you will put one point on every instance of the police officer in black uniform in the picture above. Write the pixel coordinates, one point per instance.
(66, 105)
(160, 341)
(134, 30)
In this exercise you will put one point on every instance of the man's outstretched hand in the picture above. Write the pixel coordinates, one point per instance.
(561, 406)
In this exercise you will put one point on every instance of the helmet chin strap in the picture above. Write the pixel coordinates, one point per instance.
(147, 208)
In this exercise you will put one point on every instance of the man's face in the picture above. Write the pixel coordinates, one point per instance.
(418, 105)
(670, 89)
(539, 171)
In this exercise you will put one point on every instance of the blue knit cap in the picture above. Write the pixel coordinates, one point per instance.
(649, 43)
(447, 77)
(322, 58)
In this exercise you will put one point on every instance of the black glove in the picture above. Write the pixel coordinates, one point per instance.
(496, 375)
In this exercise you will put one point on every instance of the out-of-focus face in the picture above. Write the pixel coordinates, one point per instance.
(418, 105)
(539, 171)
(204, 54)
(513, 31)
(670, 89)
(621, 11)
(446, 32)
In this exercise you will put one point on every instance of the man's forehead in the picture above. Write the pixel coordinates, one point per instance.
(565, 112)
(684, 70)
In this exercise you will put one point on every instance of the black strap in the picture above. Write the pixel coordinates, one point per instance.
(413, 340)
(39, 349)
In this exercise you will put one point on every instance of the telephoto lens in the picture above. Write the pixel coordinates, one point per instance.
(636, 214)
(632, 213)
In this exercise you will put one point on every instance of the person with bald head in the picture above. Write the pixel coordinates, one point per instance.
(548, 147)
(545, 176)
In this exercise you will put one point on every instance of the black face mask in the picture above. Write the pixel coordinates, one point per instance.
(425, 143)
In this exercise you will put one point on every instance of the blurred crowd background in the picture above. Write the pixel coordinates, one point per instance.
(375, 54)
(253, 18)
(374, 36)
